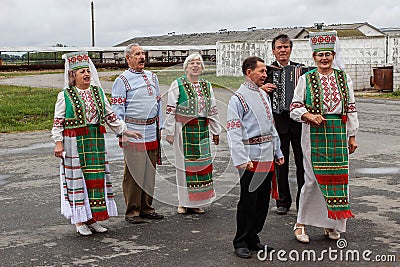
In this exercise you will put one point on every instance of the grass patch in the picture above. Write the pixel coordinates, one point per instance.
(396, 94)
(380, 95)
(26, 108)
(8, 74)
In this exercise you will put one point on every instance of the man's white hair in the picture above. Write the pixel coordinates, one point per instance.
(128, 49)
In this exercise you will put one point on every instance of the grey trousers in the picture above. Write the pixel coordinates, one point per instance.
(139, 181)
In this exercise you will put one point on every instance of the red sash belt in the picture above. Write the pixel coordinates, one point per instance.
(189, 120)
(145, 146)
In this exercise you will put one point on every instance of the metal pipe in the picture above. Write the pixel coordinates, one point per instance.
(92, 8)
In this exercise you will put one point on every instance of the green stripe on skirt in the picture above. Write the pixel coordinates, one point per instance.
(329, 156)
(198, 162)
(91, 150)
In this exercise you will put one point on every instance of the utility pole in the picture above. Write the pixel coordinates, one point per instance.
(92, 8)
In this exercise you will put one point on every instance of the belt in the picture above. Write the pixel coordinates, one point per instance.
(258, 140)
(141, 122)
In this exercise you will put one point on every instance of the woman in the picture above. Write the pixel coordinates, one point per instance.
(324, 101)
(80, 115)
(191, 115)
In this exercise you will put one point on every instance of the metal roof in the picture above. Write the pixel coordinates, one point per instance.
(208, 38)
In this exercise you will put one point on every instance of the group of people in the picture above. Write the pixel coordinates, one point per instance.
(135, 115)
(315, 114)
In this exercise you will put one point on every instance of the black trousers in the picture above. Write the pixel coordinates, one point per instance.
(294, 138)
(252, 208)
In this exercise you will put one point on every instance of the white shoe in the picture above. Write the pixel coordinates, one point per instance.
(97, 228)
(332, 234)
(181, 210)
(303, 237)
(83, 230)
(198, 210)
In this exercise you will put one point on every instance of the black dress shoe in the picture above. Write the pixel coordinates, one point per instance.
(281, 210)
(153, 216)
(135, 220)
(242, 253)
(260, 246)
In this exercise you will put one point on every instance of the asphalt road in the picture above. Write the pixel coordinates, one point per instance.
(34, 233)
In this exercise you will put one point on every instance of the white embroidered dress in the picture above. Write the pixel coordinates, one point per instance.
(83, 213)
(173, 127)
(312, 207)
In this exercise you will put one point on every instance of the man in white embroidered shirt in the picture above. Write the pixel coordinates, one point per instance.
(254, 145)
(136, 100)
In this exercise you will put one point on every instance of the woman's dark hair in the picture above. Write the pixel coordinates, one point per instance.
(71, 78)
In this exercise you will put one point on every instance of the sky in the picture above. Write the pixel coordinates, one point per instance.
(69, 22)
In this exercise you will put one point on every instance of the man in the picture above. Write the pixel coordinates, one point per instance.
(136, 100)
(254, 146)
(288, 129)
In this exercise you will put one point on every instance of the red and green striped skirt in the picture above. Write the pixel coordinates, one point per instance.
(329, 156)
(198, 161)
(91, 150)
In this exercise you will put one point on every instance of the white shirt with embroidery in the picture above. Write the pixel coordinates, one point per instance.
(249, 116)
(116, 125)
(332, 101)
(173, 96)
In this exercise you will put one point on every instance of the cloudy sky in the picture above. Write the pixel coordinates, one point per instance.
(49, 22)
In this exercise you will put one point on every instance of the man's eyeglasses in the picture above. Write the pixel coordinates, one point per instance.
(322, 54)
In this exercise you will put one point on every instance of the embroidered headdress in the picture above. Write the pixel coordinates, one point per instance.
(79, 60)
(327, 41)
(323, 41)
